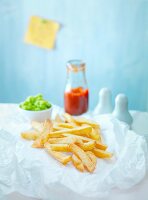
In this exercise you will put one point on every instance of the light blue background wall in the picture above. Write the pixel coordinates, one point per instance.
(110, 35)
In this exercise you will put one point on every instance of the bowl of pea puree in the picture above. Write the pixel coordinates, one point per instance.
(36, 108)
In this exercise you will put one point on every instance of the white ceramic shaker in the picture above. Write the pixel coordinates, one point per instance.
(105, 102)
(121, 109)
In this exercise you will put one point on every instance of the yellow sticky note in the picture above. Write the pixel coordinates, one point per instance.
(42, 32)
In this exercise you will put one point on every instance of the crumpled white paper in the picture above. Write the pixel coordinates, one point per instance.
(32, 172)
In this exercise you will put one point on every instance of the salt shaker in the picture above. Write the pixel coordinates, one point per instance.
(105, 102)
(121, 109)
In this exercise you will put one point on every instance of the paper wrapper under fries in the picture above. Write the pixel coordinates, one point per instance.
(69, 158)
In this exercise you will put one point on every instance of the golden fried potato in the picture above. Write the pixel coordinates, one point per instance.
(38, 126)
(101, 146)
(80, 153)
(95, 134)
(30, 135)
(93, 158)
(83, 138)
(58, 128)
(77, 163)
(47, 127)
(64, 140)
(43, 138)
(101, 154)
(61, 157)
(68, 118)
(80, 121)
(59, 147)
(87, 146)
(58, 119)
(66, 125)
(39, 142)
(83, 131)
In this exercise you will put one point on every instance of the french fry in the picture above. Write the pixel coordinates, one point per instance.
(94, 143)
(83, 131)
(83, 138)
(80, 121)
(58, 119)
(38, 126)
(77, 163)
(58, 128)
(95, 134)
(65, 140)
(30, 135)
(102, 154)
(62, 126)
(87, 146)
(68, 118)
(66, 125)
(59, 147)
(43, 138)
(101, 146)
(79, 142)
(83, 156)
(47, 127)
(93, 158)
(61, 157)
(40, 141)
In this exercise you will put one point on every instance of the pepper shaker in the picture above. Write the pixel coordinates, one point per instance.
(105, 102)
(121, 109)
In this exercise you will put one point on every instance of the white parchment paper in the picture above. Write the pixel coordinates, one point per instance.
(34, 173)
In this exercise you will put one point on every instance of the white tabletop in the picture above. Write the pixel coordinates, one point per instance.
(140, 191)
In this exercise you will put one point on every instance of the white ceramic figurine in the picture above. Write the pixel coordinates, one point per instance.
(121, 109)
(105, 102)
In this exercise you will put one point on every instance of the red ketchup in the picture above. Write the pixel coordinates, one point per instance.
(76, 101)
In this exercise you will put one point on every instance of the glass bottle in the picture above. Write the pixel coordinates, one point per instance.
(76, 93)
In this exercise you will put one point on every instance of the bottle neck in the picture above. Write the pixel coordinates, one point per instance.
(76, 79)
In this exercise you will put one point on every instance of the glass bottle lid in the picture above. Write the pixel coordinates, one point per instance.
(75, 65)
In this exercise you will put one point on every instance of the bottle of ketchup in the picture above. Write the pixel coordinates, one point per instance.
(76, 93)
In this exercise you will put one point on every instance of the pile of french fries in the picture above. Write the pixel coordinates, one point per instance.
(70, 139)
